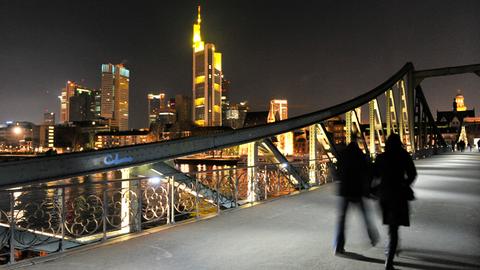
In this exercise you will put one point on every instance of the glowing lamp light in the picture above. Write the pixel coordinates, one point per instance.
(154, 180)
(284, 165)
(17, 130)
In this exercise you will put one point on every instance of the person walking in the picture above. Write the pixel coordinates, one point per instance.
(397, 172)
(354, 173)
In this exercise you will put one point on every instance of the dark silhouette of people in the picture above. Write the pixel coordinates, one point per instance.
(397, 172)
(461, 145)
(354, 173)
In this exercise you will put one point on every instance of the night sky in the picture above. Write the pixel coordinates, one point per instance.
(313, 53)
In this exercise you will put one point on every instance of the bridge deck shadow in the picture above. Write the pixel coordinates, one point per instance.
(422, 259)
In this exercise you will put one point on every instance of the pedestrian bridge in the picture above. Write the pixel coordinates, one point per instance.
(296, 232)
(55, 204)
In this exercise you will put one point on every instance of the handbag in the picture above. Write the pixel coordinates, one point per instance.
(408, 193)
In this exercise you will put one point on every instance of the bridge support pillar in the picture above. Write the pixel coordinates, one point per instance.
(405, 130)
(130, 215)
(376, 128)
(410, 110)
(371, 120)
(312, 164)
(391, 116)
(252, 161)
(348, 127)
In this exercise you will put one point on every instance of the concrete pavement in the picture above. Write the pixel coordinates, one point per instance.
(296, 232)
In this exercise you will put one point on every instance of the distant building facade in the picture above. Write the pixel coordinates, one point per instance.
(450, 122)
(454, 118)
(235, 115)
(115, 95)
(83, 105)
(278, 112)
(153, 107)
(67, 92)
(112, 139)
(207, 80)
(17, 135)
(183, 107)
(49, 118)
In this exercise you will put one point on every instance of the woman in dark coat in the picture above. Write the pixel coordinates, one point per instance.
(397, 172)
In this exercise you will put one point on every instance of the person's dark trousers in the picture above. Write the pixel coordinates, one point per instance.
(339, 244)
(371, 230)
(392, 245)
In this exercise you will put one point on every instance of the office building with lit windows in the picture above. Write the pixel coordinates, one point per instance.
(67, 92)
(207, 80)
(159, 111)
(154, 106)
(278, 112)
(114, 95)
(83, 105)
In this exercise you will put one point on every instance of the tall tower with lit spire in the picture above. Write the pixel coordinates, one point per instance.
(460, 102)
(206, 80)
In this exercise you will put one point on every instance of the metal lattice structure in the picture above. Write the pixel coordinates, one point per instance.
(150, 192)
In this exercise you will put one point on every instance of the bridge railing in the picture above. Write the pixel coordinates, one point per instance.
(38, 221)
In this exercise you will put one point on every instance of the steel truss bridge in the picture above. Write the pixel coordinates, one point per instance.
(39, 216)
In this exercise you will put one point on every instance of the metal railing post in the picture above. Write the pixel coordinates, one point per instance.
(168, 200)
(62, 219)
(172, 201)
(236, 187)
(197, 211)
(104, 216)
(266, 182)
(140, 210)
(12, 228)
(217, 187)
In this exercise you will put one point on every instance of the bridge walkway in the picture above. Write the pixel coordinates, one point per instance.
(296, 232)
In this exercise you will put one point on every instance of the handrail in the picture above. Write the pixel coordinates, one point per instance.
(74, 164)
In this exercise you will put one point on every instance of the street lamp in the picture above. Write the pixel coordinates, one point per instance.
(17, 130)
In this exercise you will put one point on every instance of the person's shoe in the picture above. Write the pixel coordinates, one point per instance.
(339, 252)
(374, 238)
(389, 265)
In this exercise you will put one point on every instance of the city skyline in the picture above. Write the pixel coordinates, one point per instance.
(311, 48)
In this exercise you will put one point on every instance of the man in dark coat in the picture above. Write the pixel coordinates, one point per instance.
(354, 174)
(397, 172)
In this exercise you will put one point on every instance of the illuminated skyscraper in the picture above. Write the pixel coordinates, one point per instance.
(159, 111)
(114, 99)
(278, 112)
(67, 92)
(153, 107)
(460, 102)
(207, 80)
(82, 105)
